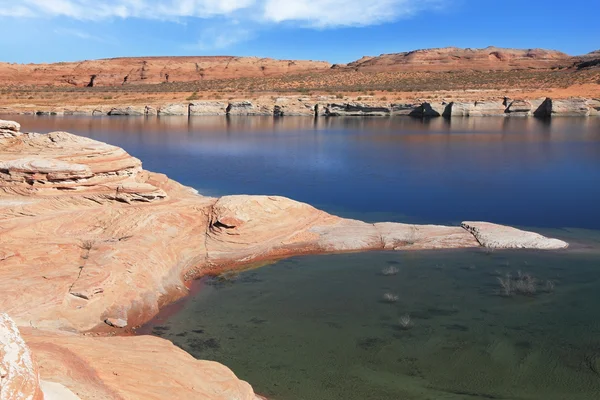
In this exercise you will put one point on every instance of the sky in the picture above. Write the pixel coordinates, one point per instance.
(337, 31)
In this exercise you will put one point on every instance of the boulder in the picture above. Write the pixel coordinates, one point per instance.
(208, 108)
(128, 110)
(519, 108)
(487, 109)
(19, 377)
(505, 237)
(357, 110)
(174, 109)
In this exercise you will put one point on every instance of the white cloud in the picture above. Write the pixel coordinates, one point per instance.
(97, 10)
(331, 13)
(311, 13)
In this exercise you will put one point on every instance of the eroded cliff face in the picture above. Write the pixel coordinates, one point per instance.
(454, 58)
(89, 241)
(151, 70)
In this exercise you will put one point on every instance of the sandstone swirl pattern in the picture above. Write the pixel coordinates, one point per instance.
(89, 241)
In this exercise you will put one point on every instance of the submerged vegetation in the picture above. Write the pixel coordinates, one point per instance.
(390, 298)
(523, 284)
(390, 271)
(405, 322)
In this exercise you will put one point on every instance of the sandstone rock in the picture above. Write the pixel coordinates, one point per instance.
(19, 377)
(134, 367)
(397, 236)
(504, 237)
(542, 108)
(460, 109)
(247, 108)
(208, 108)
(400, 109)
(150, 111)
(128, 110)
(357, 109)
(428, 110)
(519, 108)
(570, 108)
(174, 109)
(294, 107)
(98, 112)
(68, 111)
(457, 59)
(116, 322)
(594, 106)
(57, 391)
(152, 70)
(10, 125)
(487, 109)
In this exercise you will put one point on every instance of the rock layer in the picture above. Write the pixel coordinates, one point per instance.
(324, 107)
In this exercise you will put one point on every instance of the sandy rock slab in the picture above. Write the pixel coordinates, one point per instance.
(139, 367)
(505, 237)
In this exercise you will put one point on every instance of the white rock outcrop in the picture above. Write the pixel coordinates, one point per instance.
(494, 236)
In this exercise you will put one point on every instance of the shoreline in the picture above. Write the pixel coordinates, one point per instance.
(330, 106)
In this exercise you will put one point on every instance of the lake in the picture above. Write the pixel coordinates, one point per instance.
(439, 327)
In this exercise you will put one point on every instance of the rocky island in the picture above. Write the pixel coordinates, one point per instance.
(92, 246)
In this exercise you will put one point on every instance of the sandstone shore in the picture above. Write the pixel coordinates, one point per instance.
(92, 245)
(330, 106)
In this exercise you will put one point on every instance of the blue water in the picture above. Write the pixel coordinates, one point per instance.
(524, 172)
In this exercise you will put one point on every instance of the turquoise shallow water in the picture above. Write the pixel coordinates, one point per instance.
(319, 327)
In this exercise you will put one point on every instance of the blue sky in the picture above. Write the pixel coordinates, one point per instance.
(333, 30)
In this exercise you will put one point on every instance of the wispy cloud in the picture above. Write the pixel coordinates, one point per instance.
(321, 14)
(335, 13)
